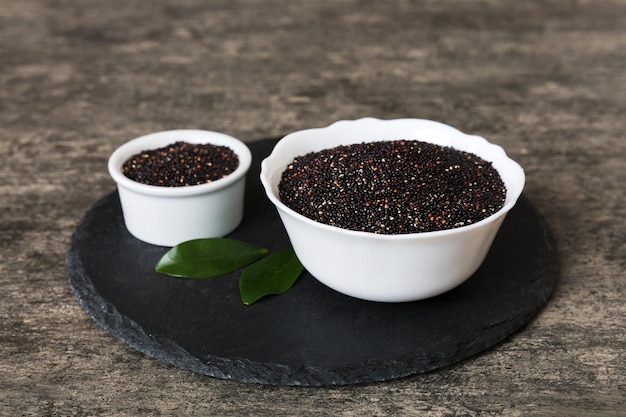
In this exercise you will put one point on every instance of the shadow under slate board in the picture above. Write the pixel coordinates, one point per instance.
(311, 335)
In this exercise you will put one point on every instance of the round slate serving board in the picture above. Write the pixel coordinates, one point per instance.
(311, 335)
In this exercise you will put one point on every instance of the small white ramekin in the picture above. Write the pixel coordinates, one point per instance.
(379, 267)
(167, 216)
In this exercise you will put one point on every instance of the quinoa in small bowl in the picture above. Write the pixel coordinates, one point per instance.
(179, 185)
(390, 210)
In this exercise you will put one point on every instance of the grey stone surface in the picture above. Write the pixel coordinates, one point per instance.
(543, 79)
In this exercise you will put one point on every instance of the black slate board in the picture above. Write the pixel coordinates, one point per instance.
(311, 335)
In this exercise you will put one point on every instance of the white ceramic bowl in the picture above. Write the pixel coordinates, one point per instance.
(167, 216)
(379, 267)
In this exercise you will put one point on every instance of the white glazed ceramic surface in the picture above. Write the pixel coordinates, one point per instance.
(389, 268)
(167, 216)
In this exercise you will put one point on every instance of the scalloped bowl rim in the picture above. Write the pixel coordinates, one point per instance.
(269, 172)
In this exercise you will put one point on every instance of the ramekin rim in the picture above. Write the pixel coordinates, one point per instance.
(124, 151)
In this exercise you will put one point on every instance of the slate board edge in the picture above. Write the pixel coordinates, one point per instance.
(105, 314)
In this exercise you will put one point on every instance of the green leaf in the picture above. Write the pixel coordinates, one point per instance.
(205, 258)
(273, 274)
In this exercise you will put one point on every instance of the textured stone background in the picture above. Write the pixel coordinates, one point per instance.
(544, 79)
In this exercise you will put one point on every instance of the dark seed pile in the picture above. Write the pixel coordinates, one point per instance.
(392, 187)
(181, 164)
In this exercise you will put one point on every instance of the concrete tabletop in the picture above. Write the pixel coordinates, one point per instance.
(545, 80)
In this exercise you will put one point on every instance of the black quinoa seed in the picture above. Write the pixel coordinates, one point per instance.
(181, 164)
(392, 187)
